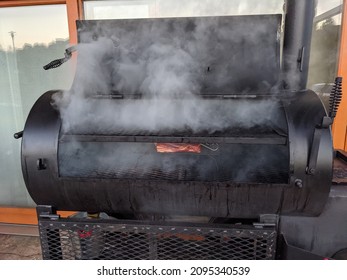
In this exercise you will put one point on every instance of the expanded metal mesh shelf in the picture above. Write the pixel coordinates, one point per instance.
(70, 239)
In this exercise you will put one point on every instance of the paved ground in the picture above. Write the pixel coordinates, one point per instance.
(16, 247)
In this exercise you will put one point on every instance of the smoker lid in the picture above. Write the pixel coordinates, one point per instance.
(229, 54)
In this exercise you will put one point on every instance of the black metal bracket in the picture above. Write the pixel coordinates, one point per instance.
(335, 99)
(314, 150)
(46, 212)
(312, 160)
(301, 58)
(267, 220)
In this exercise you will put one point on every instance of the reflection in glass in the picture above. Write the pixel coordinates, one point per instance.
(30, 37)
(325, 47)
(116, 9)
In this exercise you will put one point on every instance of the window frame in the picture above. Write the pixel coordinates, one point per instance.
(340, 123)
(74, 10)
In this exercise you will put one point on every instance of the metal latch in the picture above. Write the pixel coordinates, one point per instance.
(267, 220)
(334, 100)
(41, 164)
(47, 212)
(301, 58)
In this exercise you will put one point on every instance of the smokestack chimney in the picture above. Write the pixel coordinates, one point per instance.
(297, 42)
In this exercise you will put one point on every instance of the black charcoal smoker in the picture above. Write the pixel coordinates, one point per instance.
(244, 194)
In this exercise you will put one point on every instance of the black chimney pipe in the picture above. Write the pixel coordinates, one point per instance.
(297, 42)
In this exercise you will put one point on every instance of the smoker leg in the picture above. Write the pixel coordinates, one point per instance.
(49, 238)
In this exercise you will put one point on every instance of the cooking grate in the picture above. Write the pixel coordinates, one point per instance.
(99, 239)
(122, 160)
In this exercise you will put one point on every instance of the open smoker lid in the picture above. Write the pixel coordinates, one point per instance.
(226, 55)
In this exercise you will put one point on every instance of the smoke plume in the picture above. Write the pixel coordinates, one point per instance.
(173, 77)
(155, 75)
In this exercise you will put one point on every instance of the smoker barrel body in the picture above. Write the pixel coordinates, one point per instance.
(297, 193)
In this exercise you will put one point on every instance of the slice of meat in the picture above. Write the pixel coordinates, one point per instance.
(178, 148)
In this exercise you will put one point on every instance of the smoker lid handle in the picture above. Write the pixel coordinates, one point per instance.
(58, 62)
(54, 64)
(335, 97)
(18, 135)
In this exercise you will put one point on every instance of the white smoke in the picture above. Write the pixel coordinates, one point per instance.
(169, 66)
(199, 78)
